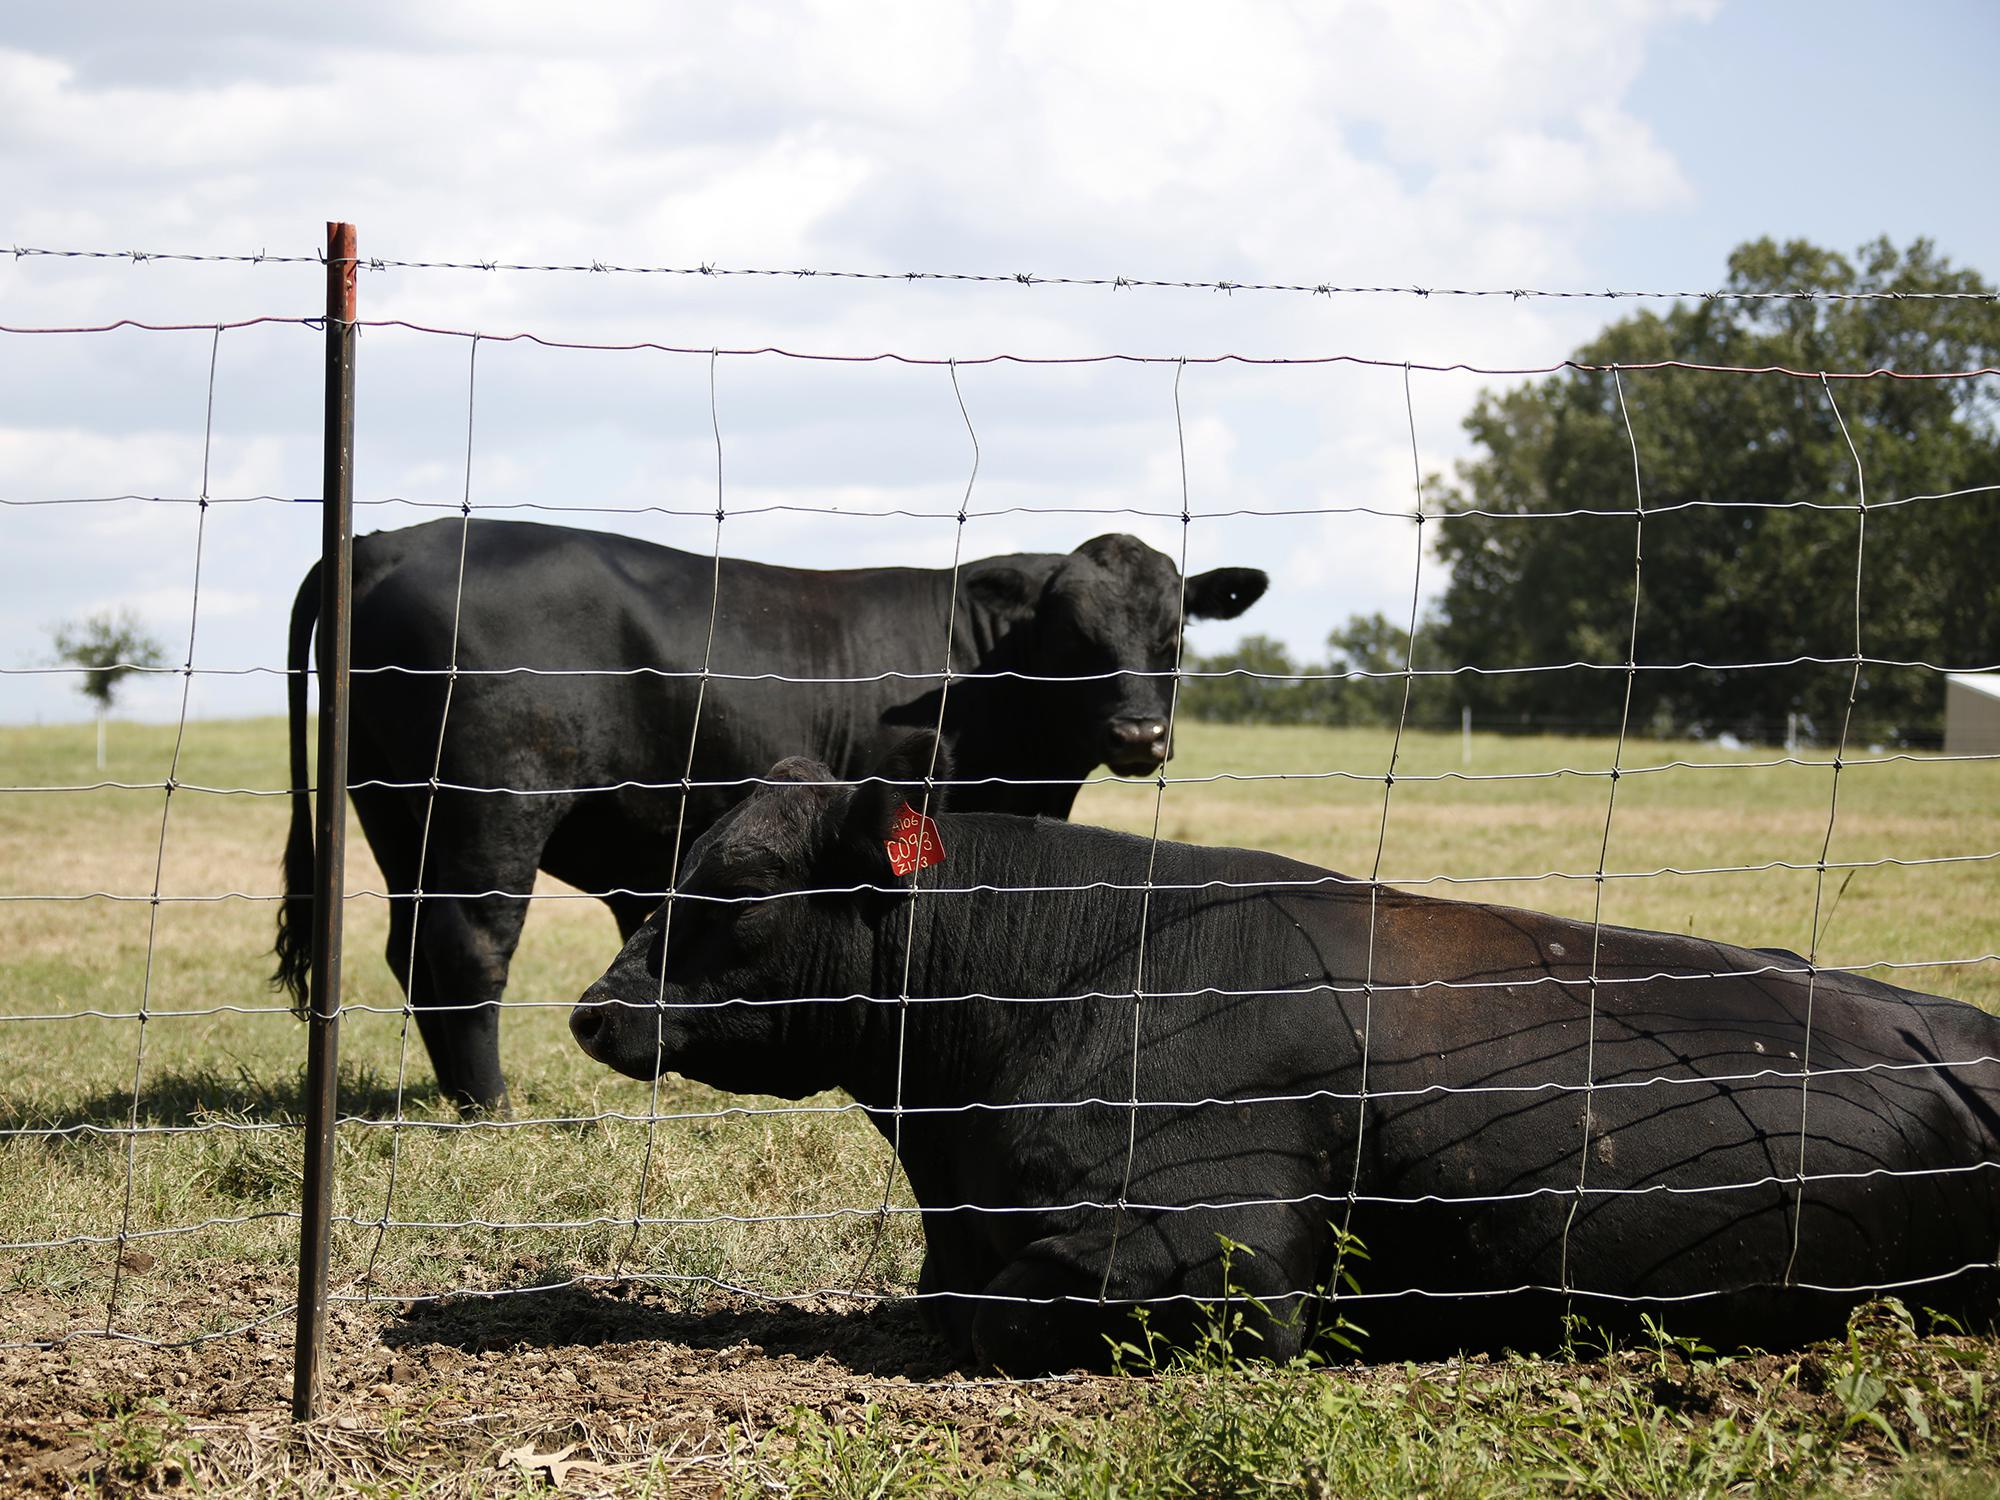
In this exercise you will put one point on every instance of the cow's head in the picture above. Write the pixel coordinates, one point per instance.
(745, 977)
(1109, 614)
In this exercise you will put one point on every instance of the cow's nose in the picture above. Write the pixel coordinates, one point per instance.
(1138, 739)
(586, 1024)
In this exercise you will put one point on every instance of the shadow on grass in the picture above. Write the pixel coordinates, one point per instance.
(881, 1339)
(192, 1096)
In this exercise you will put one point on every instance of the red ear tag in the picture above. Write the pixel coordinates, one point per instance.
(913, 842)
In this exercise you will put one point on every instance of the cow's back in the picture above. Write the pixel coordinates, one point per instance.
(520, 595)
(1641, 1114)
(1544, 1103)
(594, 672)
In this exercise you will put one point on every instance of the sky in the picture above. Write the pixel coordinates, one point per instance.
(1559, 145)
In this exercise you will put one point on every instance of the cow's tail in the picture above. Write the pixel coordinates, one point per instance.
(295, 910)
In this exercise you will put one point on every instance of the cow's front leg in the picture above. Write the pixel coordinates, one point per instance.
(1042, 1314)
(481, 863)
(463, 948)
(1053, 1308)
(957, 1261)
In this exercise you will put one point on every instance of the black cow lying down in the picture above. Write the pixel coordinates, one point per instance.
(1474, 1139)
(564, 746)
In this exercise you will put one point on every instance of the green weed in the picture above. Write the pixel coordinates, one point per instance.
(862, 1457)
(141, 1450)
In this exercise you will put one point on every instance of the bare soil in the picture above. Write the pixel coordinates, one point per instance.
(618, 1373)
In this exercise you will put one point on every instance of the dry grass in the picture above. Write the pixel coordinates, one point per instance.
(241, 1067)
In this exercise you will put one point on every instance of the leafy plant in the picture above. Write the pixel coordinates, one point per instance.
(1915, 1394)
(866, 1458)
(141, 1448)
(1666, 1347)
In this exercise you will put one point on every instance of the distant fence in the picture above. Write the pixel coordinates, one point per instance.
(1835, 747)
(1791, 732)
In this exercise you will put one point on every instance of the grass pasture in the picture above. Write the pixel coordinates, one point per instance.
(211, 1232)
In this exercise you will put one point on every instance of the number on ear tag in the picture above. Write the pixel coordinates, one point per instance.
(913, 842)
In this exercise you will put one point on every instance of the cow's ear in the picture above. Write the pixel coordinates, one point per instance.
(798, 768)
(1006, 590)
(798, 773)
(1224, 593)
(914, 772)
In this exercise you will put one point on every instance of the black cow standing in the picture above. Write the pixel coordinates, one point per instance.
(1490, 1190)
(578, 772)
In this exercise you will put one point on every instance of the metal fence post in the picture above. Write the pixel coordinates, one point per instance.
(336, 579)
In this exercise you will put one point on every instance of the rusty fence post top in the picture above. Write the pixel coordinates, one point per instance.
(343, 265)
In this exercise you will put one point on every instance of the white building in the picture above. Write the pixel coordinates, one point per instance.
(1972, 713)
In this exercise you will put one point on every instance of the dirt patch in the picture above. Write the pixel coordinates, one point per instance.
(622, 1375)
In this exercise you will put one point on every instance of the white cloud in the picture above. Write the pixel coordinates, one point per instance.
(1368, 143)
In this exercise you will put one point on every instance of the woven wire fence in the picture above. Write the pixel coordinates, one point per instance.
(589, 1182)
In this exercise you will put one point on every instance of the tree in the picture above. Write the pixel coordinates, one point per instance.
(109, 647)
(1362, 684)
(1379, 646)
(1742, 564)
(1250, 695)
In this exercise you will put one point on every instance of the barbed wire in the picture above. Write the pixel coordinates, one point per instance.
(1316, 288)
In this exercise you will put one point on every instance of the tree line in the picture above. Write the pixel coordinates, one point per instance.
(1765, 509)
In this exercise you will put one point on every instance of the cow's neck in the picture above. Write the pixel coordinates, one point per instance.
(997, 727)
(948, 1049)
(1002, 726)
(997, 731)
